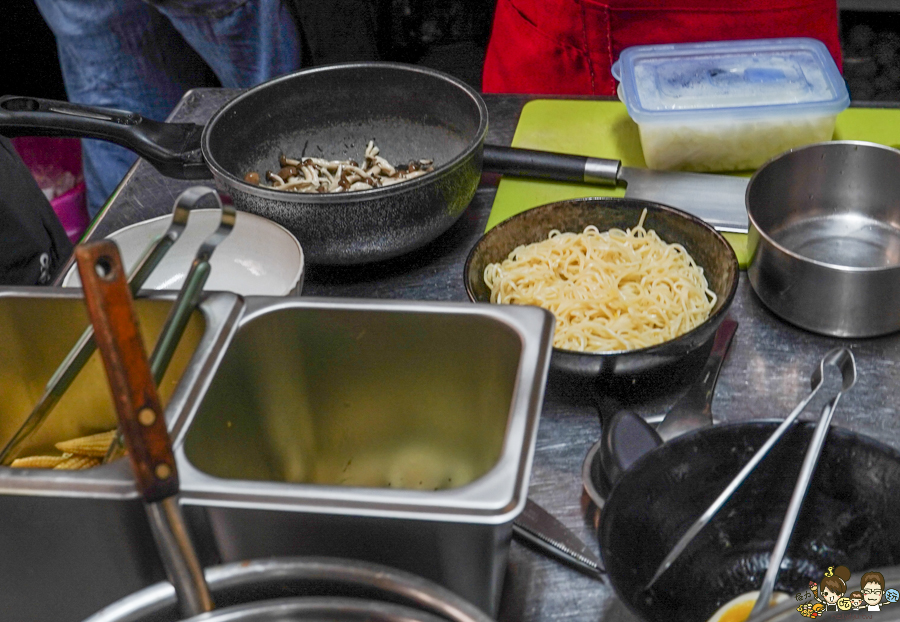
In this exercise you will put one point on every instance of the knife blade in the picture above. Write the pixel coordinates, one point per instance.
(536, 526)
(717, 199)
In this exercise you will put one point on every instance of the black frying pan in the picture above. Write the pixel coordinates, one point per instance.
(411, 112)
(851, 517)
(333, 112)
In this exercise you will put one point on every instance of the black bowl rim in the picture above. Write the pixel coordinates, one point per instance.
(840, 432)
(639, 204)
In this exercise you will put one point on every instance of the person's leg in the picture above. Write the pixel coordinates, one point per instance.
(245, 42)
(121, 54)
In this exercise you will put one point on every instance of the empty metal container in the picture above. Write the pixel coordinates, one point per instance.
(73, 541)
(395, 432)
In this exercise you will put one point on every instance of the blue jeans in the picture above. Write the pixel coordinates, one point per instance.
(143, 56)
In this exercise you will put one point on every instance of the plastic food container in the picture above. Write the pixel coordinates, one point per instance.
(729, 105)
(55, 164)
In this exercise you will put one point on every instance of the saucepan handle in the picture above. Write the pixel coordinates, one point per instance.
(548, 165)
(172, 148)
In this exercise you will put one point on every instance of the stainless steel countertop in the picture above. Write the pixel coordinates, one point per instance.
(765, 375)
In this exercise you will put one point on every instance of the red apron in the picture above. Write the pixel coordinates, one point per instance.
(567, 47)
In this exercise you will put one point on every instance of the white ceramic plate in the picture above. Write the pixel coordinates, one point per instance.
(258, 258)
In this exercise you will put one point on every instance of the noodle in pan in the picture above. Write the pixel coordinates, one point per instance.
(609, 291)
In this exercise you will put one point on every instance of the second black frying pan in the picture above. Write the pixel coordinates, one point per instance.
(850, 517)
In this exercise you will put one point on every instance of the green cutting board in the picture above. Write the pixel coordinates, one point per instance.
(603, 129)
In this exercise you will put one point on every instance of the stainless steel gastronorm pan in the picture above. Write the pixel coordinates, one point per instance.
(390, 431)
(71, 542)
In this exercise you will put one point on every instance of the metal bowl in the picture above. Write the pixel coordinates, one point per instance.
(824, 239)
(303, 588)
(634, 374)
(318, 610)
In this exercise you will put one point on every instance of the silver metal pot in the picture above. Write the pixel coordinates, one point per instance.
(824, 239)
(287, 589)
(318, 610)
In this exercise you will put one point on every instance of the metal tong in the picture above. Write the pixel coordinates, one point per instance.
(841, 358)
(78, 356)
(190, 292)
(141, 418)
(847, 366)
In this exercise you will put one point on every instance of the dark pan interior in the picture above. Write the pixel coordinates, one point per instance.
(850, 517)
(333, 112)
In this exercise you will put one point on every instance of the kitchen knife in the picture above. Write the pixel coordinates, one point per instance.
(536, 526)
(716, 199)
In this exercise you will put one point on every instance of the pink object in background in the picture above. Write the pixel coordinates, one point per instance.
(55, 164)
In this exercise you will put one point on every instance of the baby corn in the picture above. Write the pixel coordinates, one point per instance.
(37, 462)
(95, 445)
(78, 453)
(76, 463)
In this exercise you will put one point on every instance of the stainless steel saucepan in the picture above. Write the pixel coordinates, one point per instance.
(824, 240)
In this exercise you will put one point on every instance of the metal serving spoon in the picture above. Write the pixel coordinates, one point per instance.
(694, 410)
(189, 295)
(841, 358)
(141, 417)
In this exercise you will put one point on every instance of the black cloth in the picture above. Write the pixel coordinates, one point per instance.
(33, 243)
(337, 31)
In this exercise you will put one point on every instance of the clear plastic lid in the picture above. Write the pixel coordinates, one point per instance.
(729, 79)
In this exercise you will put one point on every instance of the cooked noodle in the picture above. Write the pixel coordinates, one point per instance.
(616, 290)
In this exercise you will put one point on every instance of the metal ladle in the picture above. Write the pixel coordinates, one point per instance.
(141, 418)
(841, 358)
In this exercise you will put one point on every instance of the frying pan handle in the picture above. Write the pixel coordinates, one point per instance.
(547, 165)
(141, 418)
(172, 148)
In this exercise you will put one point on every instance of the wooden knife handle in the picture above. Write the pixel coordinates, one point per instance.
(141, 418)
